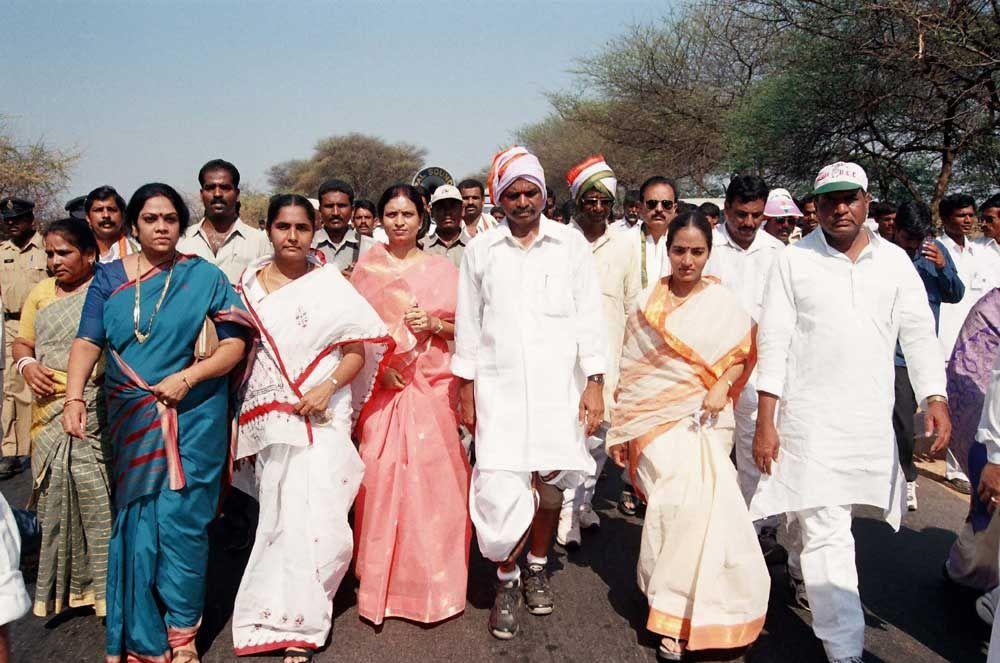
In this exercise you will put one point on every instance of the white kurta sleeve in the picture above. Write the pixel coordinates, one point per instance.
(920, 344)
(988, 431)
(777, 323)
(590, 325)
(14, 600)
(468, 316)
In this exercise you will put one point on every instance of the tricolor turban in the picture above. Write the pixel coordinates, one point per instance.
(591, 173)
(512, 164)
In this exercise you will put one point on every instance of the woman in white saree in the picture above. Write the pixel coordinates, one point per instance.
(687, 351)
(321, 345)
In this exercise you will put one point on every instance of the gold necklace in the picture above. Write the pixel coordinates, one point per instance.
(142, 337)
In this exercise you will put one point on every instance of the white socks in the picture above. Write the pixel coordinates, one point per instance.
(539, 561)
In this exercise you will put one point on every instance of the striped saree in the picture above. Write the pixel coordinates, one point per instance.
(700, 565)
(70, 475)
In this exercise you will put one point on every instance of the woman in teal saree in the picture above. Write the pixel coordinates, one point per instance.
(168, 424)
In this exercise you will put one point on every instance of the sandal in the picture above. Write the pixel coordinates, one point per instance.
(185, 656)
(298, 652)
(671, 649)
(627, 502)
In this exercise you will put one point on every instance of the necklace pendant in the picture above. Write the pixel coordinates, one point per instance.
(139, 336)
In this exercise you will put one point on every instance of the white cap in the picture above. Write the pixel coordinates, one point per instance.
(445, 192)
(840, 176)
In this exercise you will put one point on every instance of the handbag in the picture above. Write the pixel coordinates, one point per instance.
(207, 342)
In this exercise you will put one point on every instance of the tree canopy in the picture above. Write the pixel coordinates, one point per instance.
(368, 163)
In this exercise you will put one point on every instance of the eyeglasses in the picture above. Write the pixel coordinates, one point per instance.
(653, 204)
(595, 202)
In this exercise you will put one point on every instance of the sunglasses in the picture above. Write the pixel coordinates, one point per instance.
(653, 204)
(594, 202)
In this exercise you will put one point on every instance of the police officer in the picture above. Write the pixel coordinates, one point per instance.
(77, 208)
(22, 265)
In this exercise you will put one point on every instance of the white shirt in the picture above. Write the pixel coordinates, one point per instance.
(826, 341)
(979, 272)
(529, 326)
(242, 246)
(622, 224)
(125, 246)
(744, 271)
(651, 256)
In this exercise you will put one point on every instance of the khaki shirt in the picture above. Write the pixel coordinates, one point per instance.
(242, 246)
(20, 270)
(453, 252)
(618, 274)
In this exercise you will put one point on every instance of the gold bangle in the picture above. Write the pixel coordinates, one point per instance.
(73, 400)
(440, 326)
(189, 385)
(937, 399)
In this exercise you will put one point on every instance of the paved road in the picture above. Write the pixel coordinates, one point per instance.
(912, 616)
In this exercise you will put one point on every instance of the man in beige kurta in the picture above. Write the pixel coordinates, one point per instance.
(593, 186)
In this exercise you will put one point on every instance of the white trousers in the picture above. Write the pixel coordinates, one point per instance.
(575, 499)
(830, 573)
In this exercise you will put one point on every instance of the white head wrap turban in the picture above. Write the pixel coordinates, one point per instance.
(512, 164)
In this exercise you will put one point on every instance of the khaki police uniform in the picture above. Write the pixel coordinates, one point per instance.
(20, 270)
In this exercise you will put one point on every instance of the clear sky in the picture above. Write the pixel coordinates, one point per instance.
(148, 91)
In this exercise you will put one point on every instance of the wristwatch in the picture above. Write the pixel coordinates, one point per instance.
(936, 398)
(597, 378)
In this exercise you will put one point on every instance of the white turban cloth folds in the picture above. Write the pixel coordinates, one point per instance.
(514, 163)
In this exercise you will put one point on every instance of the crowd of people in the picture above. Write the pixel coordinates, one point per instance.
(471, 372)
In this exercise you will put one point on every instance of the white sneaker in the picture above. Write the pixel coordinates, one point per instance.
(911, 495)
(568, 532)
(588, 517)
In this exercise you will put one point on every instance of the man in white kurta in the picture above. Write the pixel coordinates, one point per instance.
(530, 348)
(978, 269)
(834, 305)
(593, 186)
(742, 254)
(649, 238)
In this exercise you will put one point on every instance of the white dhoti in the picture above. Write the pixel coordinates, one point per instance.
(14, 600)
(502, 504)
(303, 546)
(831, 578)
(583, 495)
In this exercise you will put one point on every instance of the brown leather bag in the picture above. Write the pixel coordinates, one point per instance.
(207, 342)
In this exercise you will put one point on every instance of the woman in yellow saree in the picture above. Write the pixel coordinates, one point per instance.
(688, 347)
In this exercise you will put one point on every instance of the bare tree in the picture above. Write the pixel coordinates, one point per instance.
(34, 170)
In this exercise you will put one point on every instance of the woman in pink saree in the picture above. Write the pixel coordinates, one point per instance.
(411, 518)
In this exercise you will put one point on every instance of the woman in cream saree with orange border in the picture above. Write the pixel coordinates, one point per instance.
(700, 565)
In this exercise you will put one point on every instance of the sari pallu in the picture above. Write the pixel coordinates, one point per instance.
(412, 525)
(307, 470)
(70, 475)
(168, 462)
(700, 565)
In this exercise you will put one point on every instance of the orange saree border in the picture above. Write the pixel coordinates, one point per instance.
(709, 636)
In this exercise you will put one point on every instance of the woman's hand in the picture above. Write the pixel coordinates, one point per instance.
(619, 454)
(172, 389)
(74, 419)
(39, 378)
(316, 400)
(467, 405)
(419, 320)
(715, 400)
(392, 379)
